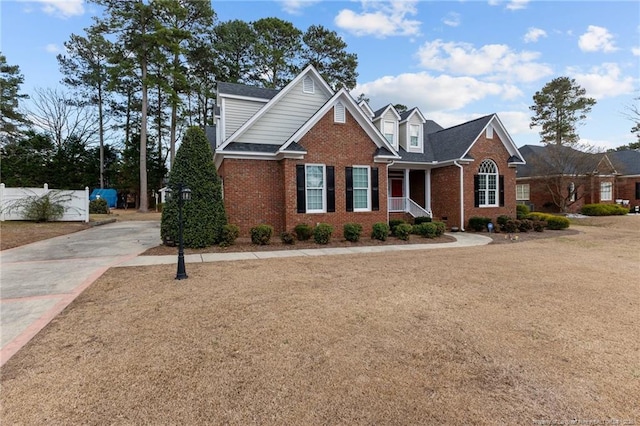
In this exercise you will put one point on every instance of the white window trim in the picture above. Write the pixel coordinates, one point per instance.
(418, 146)
(486, 190)
(339, 114)
(368, 208)
(609, 191)
(324, 189)
(521, 193)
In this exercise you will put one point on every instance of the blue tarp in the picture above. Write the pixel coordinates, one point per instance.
(111, 195)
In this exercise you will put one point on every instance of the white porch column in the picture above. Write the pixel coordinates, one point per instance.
(406, 189)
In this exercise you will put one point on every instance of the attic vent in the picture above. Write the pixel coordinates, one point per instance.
(339, 113)
(489, 131)
(307, 85)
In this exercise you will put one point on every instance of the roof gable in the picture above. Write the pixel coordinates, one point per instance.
(277, 99)
(345, 98)
(366, 108)
(406, 116)
(377, 115)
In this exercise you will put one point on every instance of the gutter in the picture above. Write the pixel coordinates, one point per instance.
(461, 194)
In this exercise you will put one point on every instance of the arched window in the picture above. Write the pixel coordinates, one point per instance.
(488, 184)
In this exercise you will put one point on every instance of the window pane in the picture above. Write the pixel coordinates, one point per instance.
(360, 198)
(492, 197)
(414, 132)
(360, 177)
(315, 187)
(360, 188)
(315, 178)
(314, 199)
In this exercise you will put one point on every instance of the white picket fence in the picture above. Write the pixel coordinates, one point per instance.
(76, 209)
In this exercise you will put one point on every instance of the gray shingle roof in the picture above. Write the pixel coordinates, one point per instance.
(546, 160)
(452, 143)
(244, 90)
(261, 148)
(378, 113)
(626, 162)
(431, 127)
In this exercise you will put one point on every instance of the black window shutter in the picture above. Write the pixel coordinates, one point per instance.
(331, 189)
(501, 185)
(375, 190)
(348, 173)
(476, 190)
(300, 189)
(637, 190)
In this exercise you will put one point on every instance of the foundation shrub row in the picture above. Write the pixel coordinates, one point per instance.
(522, 223)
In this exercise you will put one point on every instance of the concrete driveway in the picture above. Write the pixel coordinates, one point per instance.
(39, 280)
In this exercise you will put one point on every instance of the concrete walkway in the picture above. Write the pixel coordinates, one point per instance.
(39, 280)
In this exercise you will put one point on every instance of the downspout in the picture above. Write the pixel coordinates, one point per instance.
(461, 195)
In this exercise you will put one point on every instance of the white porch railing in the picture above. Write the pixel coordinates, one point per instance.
(405, 204)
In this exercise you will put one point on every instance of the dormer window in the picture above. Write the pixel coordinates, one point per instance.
(307, 85)
(339, 113)
(389, 131)
(414, 136)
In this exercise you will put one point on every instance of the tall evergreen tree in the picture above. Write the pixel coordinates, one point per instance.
(204, 215)
(326, 51)
(85, 69)
(233, 42)
(276, 51)
(559, 107)
(11, 118)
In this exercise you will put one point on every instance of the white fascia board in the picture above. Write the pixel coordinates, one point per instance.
(245, 98)
(282, 93)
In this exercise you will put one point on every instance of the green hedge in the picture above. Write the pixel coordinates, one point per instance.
(604, 210)
(322, 233)
(380, 231)
(352, 231)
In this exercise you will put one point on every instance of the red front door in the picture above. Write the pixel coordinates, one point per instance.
(397, 189)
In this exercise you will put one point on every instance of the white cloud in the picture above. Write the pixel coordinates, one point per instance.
(295, 7)
(493, 60)
(597, 39)
(380, 19)
(52, 48)
(635, 51)
(517, 4)
(511, 4)
(452, 19)
(62, 8)
(604, 81)
(533, 35)
(432, 94)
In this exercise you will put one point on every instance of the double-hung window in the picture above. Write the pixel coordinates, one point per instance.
(414, 135)
(315, 188)
(606, 193)
(522, 192)
(389, 131)
(361, 189)
(488, 184)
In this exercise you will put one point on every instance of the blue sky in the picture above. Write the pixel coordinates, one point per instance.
(455, 60)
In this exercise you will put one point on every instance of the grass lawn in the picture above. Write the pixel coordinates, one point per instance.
(521, 333)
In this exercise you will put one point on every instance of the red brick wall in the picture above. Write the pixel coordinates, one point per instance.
(445, 185)
(253, 193)
(339, 145)
(625, 189)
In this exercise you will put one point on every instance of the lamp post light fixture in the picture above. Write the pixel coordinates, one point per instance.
(184, 194)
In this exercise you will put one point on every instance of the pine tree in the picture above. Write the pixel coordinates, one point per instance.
(203, 215)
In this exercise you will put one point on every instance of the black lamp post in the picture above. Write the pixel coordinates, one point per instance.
(184, 194)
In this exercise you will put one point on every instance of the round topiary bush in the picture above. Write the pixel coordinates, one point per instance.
(352, 231)
(98, 206)
(303, 231)
(261, 234)
(403, 231)
(380, 231)
(322, 233)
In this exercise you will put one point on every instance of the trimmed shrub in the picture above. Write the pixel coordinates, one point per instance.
(230, 233)
(393, 223)
(427, 229)
(403, 231)
(604, 210)
(322, 233)
(511, 226)
(261, 234)
(204, 215)
(288, 238)
(303, 231)
(380, 231)
(478, 223)
(502, 220)
(421, 219)
(522, 211)
(538, 216)
(352, 231)
(98, 206)
(539, 225)
(441, 228)
(557, 222)
(526, 225)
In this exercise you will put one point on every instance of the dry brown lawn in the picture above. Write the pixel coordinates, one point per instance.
(530, 332)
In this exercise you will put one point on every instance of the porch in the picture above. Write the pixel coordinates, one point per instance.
(410, 192)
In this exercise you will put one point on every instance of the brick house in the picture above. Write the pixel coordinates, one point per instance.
(551, 177)
(307, 154)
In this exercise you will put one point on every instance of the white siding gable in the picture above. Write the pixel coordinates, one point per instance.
(278, 123)
(236, 112)
(405, 134)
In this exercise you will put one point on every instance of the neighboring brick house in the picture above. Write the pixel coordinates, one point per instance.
(307, 154)
(553, 176)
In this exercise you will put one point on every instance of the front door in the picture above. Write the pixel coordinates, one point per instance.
(397, 188)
